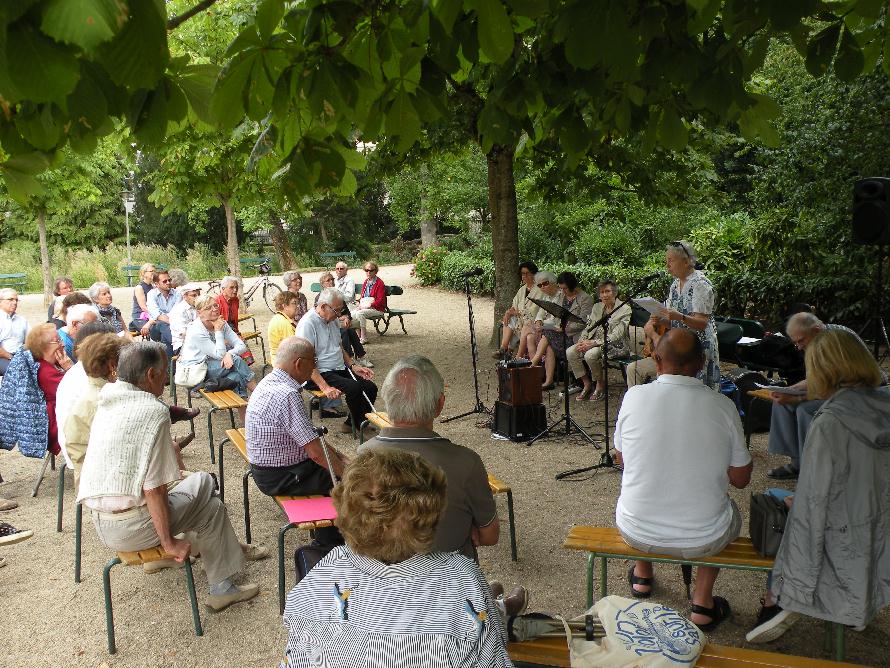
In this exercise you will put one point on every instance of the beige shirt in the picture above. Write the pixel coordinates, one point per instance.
(523, 303)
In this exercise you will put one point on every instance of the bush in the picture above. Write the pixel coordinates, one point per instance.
(428, 264)
(457, 263)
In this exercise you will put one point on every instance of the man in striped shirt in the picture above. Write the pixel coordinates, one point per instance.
(283, 448)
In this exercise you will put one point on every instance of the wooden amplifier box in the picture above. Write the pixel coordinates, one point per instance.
(520, 386)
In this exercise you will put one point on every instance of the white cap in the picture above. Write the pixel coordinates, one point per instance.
(190, 287)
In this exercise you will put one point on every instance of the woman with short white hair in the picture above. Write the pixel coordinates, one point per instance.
(293, 282)
(228, 302)
(100, 294)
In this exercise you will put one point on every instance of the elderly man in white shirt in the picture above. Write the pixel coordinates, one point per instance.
(13, 327)
(343, 283)
(183, 314)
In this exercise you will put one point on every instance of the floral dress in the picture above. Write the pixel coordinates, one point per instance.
(697, 296)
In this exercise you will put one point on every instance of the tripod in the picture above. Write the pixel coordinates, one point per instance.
(479, 407)
(606, 459)
(877, 319)
(564, 316)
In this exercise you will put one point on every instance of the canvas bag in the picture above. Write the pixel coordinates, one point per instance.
(766, 523)
(189, 376)
(638, 633)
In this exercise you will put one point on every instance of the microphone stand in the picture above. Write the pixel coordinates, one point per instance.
(479, 407)
(606, 459)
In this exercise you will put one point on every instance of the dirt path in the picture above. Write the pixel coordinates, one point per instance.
(50, 621)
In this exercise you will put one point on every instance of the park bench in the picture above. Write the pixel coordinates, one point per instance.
(554, 652)
(137, 559)
(253, 262)
(17, 281)
(324, 257)
(380, 419)
(607, 543)
(237, 438)
(131, 271)
(390, 313)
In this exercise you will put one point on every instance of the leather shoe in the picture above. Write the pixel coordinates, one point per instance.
(218, 603)
(6, 504)
(497, 589)
(326, 413)
(786, 472)
(517, 602)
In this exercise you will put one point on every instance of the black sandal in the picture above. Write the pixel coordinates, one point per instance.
(720, 612)
(637, 580)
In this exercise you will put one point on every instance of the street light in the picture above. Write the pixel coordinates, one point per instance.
(129, 205)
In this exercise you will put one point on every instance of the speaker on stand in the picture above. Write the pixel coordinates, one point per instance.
(871, 227)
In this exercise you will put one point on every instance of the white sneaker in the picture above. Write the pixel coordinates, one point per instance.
(772, 622)
(365, 362)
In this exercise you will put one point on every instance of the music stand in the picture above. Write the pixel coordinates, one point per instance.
(479, 407)
(565, 317)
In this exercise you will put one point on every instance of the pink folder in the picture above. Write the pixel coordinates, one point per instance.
(309, 510)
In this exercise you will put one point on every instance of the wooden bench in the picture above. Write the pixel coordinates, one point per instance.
(131, 271)
(243, 317)
(227, 400)
(555, 653)
(238, 439)
(253, 262)
(324, 257)
(390, 313)
(17, 281)
(137, 559)
(256, 336)
(380, 419)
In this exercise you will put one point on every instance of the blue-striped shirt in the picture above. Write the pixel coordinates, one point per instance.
(428, 611)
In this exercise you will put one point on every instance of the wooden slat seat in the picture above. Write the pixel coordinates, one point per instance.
(143, 556)
(226, 400)
(760, 394)
(555, 652)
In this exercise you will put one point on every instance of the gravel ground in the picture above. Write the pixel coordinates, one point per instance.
(152, 614)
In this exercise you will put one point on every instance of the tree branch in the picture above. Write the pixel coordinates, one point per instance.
(176, 21)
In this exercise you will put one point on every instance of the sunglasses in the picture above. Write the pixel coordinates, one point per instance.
(370, 271)
(543, 284)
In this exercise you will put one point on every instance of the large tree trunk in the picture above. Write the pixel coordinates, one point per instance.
(280, 243)
(428, 229)
(504, 230)
(232, 256)
(323, 232)
(44, 258)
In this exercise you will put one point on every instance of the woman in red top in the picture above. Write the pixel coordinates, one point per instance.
(372, 300)
(47, 349)
(228, 302)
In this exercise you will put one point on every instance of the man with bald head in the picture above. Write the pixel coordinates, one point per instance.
(283, 448)
(681, 443)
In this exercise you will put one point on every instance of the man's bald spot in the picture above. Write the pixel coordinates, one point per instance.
(680, 352)
(291, 348)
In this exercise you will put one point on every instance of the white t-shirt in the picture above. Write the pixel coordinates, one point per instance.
(181, 316)
(13, 331)
(71, 388)
(678, 438)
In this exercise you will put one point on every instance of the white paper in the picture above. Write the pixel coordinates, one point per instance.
(654, 306)
(778, 389)
(748, 339)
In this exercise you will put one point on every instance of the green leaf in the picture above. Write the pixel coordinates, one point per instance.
(138, 55)
(402, 121)
(821, 49)
(495, 30)
(227, 102)
(885, 61)
(40, 69)
(697, 5)
(531, 8)
(672, 132)
(39, 128)
(849, 61)
(446, 12)
(85, 23)
(870, 8)
(18, 175)
(268, 15)
(196, 82)
(580, 22)
(574, 136)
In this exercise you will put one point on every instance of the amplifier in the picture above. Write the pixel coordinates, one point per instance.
(519, 423)
(520, 386)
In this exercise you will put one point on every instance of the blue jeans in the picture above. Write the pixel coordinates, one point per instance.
(160, 331)
(240, 372)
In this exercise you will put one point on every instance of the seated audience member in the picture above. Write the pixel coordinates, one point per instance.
(335, 373)
(61, 287)
(161, 300)
(283, 448)
(210, 340)
(348, 335)
(372, 301)
(100, 294)
(130, 466)
(577, 301)
(13, 327)
(834, 560)
(343, 283)
(76, 316)
(228, 302)
(139, 313)
(544, 338)
(69, 300)
(521, 312)
(282, 324)
(178, 278)
(680, 443)
(589, 348)
(183, 314)
(389, 589)
(47, 350)
(792, 415)
(293, 282)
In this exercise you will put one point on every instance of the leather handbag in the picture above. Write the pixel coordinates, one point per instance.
(767, 518)
(189, 376)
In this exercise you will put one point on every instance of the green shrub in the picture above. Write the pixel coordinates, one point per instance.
(456, 263)
(428, 264)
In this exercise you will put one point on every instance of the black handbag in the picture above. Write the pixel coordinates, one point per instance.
(220, 384)
(766, 522)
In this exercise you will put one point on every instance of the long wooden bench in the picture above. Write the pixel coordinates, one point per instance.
(238, 439)
(555, 653)
(380, 419)
(227, 400)
(381, 322)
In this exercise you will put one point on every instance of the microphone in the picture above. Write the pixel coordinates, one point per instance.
(478, 271)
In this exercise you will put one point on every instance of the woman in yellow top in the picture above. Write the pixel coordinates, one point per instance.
(282, 324)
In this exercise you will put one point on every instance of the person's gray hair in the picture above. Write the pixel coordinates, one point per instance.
(289, 276)
(77, 312)
(178, 278)
(8, 293)
(97, 288)
(545, 276)
(330, 295)
(803, 322)
(412, 389)
(137, 358)
(227, 281)
(682, 249)
(291, 348)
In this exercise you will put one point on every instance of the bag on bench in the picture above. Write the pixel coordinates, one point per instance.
(766, 523)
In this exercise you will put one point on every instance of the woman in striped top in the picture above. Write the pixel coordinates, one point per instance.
(384, 595)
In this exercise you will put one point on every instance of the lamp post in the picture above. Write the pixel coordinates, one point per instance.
(129, 205)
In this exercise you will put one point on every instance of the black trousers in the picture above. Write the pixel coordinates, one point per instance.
(351, 343)
(353, 390)
(303, 479)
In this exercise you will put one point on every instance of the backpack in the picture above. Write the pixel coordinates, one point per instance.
(760, 411)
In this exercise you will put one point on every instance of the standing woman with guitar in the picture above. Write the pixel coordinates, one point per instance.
(690, 304)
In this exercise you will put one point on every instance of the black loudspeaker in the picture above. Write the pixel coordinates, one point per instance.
(519, 423)
(871, 211)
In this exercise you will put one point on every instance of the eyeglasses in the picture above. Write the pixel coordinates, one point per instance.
(370, 271)
(680, 245)
(9, 299)
(338, 311)
(165, 281)
(544, 284)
